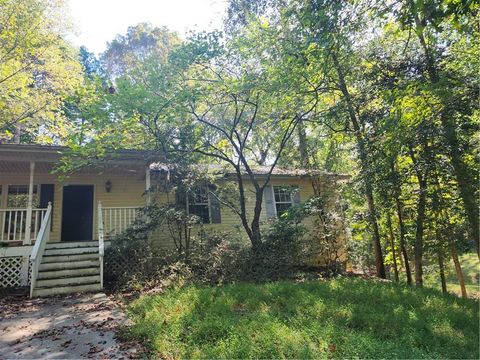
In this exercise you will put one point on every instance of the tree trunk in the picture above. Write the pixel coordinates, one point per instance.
(418, 247)
(255, 224)
(421, 206)
(442, 271)
(467, 192)
(403, 248)
(462, 173)
(392, 244)
(364, 166)
(253, 234)
(458, 268)
(302, 146)
(18, 133)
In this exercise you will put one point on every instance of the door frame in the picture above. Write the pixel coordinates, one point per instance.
(94, 199)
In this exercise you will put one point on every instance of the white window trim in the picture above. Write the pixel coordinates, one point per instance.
(209, 206)
(292, 203)
(6, 192)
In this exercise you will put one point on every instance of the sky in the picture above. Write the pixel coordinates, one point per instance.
(98, 21)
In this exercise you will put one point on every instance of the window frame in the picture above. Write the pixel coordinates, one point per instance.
(195, 203)
(291, 202)
(36, 195)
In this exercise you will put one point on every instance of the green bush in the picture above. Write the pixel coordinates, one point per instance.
(213, 257)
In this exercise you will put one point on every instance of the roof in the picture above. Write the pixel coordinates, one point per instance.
(52, 153)
(257, 170)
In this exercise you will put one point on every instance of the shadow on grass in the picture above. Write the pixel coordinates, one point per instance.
(338, 318)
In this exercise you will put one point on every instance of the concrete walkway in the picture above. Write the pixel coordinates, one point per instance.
(80, 326)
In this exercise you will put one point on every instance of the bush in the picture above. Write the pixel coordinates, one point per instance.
(215, 258)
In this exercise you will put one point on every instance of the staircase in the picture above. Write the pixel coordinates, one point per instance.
(68, 268)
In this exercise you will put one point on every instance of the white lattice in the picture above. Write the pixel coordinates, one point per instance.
(11, 271)
(114, 267)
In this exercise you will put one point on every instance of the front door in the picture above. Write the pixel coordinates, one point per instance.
(77, 213)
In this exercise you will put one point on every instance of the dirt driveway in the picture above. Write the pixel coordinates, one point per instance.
(73, 327)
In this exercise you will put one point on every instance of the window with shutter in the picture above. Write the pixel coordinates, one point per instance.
(198, 203)
(285, 197)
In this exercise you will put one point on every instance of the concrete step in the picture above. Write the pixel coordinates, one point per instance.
(55, 274)
(70, 251)
(68, 258)
(77, 280)
(65, 245)
(50, 291)
(69, 265)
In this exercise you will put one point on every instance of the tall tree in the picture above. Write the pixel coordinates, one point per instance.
(426, 19)
(38, 69)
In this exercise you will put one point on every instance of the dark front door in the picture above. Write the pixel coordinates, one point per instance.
(77, 213)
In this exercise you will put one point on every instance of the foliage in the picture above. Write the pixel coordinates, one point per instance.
(384, 91)
(38, 70)
(216, 258)
(342, 318)
(141, 44)
(471, 268)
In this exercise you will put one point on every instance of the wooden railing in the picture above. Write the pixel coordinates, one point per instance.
(39, 247)
(13, 224)
(101, 243)
(117, 219)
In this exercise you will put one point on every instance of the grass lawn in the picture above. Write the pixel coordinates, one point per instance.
(471, 269)
(341, 318)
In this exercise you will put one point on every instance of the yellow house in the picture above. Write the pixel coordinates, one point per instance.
(55, 228)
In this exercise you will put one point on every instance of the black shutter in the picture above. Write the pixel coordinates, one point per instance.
(181, 198)
(47, 192)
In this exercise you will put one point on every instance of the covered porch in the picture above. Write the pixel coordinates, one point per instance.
(94, 204)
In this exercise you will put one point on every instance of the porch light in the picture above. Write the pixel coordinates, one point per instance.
(108, 186)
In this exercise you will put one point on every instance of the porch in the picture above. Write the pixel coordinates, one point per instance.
(43, 216)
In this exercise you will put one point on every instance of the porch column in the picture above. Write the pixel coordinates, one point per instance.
(28, 222)
(148, 185)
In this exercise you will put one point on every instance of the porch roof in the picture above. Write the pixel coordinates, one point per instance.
(15, 158)
(51, 153)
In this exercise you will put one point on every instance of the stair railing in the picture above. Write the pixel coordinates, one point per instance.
(43, 237)
(101, 244)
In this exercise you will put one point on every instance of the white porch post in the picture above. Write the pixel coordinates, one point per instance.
(28, 223)
(148, 185)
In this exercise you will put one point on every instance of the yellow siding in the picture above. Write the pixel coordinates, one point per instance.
(231, 222)
(128, 190)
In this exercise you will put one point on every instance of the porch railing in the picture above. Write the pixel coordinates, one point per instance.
(117, 219)
(39, 248)
(101, 244)
(13, 224)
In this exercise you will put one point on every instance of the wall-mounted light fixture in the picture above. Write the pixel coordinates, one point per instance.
(108, 186)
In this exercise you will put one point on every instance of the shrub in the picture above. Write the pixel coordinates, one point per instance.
(214, 257)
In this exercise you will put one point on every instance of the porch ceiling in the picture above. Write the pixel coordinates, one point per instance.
(24, 167)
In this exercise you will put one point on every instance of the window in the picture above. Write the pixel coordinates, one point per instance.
(283, 196)
(198, 203)
(17, 196)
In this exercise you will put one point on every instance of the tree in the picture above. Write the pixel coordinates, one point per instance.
(141, 43)
(247, 103)
(38, 69)
(426, 19)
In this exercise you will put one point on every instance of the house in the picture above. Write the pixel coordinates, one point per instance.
(53, 230)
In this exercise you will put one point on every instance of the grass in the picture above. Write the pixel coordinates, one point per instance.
(471, 271)
(343, 318)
